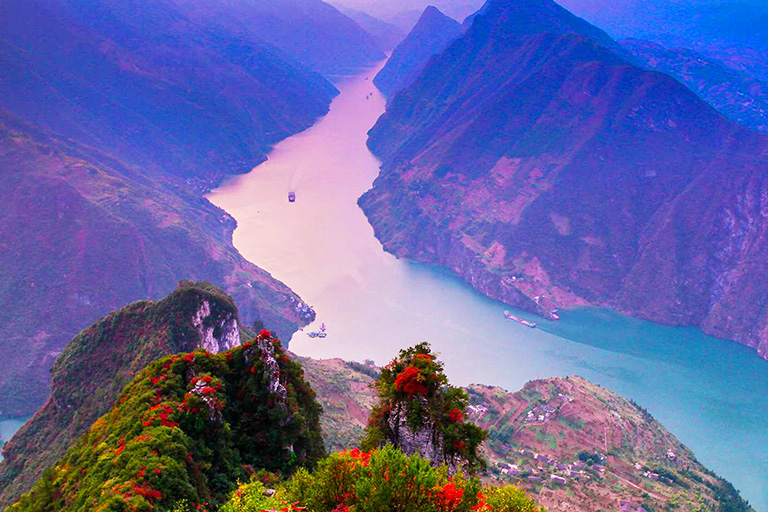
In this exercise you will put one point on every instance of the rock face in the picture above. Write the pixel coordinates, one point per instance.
(736, 95)
(431, 35)
(534, 161)
(97, 364)
(312, 32)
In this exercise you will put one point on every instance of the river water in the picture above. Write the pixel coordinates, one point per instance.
(711, 393)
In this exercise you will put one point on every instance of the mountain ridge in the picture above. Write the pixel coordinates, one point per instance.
(549, 172)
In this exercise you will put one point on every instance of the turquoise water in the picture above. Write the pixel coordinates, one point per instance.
(712, 394)
(8, 427)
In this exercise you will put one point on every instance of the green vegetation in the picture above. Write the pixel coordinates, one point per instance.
(188, 428)
(383, 480)
(419, 410)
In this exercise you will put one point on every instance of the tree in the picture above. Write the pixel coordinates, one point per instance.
(419, 411)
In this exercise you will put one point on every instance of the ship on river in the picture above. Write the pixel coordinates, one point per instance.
(517, 319)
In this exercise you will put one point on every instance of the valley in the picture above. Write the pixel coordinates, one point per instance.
(709, 392)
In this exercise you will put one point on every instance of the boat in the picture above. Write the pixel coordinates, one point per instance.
(519, 320)
(316, 334)
(291, 197)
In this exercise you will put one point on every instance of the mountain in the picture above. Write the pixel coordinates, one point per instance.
(608, 452)
(115, 118)
(189, 427)
(738, 96)
(431, 35)
(402, 10)
(312, 32)
(535, 162)
(97, 364)
(386, 35)
(149, 86)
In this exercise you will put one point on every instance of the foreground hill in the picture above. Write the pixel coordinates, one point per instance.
(534, 161)
(571, 444)
(568, 416)
(187, 429)
(431, 35)
(97, 364)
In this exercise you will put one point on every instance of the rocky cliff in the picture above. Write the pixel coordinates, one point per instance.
(537, 163)
(189, 427)
(97, 364)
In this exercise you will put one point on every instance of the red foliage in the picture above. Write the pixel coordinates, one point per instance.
(423, 356)
(456, 416)
(148, 492)
(264, 334)
(449, 497)
(120, 448)
(408, 382)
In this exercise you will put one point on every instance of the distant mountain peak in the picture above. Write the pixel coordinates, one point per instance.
(432, 34)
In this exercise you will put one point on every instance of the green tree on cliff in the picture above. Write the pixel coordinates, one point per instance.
(419, 411)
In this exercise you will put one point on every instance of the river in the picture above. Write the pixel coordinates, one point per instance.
(712, 394)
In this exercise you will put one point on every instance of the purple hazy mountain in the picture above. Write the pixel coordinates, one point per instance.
(737, 95)
(313, 32)
(115, 116)
(386, 35)
(431, 35)
(548, 171)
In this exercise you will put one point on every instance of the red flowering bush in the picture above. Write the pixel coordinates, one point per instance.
(386, 480)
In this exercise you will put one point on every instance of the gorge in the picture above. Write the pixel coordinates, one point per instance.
(709, 392)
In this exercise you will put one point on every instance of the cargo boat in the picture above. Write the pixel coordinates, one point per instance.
(519, 320)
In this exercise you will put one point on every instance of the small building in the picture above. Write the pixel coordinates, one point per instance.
(556, 479)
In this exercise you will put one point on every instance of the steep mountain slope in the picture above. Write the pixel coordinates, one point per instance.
(149, 86)
(739, 97)
(97, 364)
(313, 32)
(547, 171)
(430, 36)
(189, 427)
(82, 234)
(130, 111)
(386, 35)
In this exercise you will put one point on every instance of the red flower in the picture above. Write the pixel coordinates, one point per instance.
(264, 334)
(408, 382)
(449, 497)
(456, 416)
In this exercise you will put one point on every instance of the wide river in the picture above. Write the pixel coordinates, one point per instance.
(711, 393)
